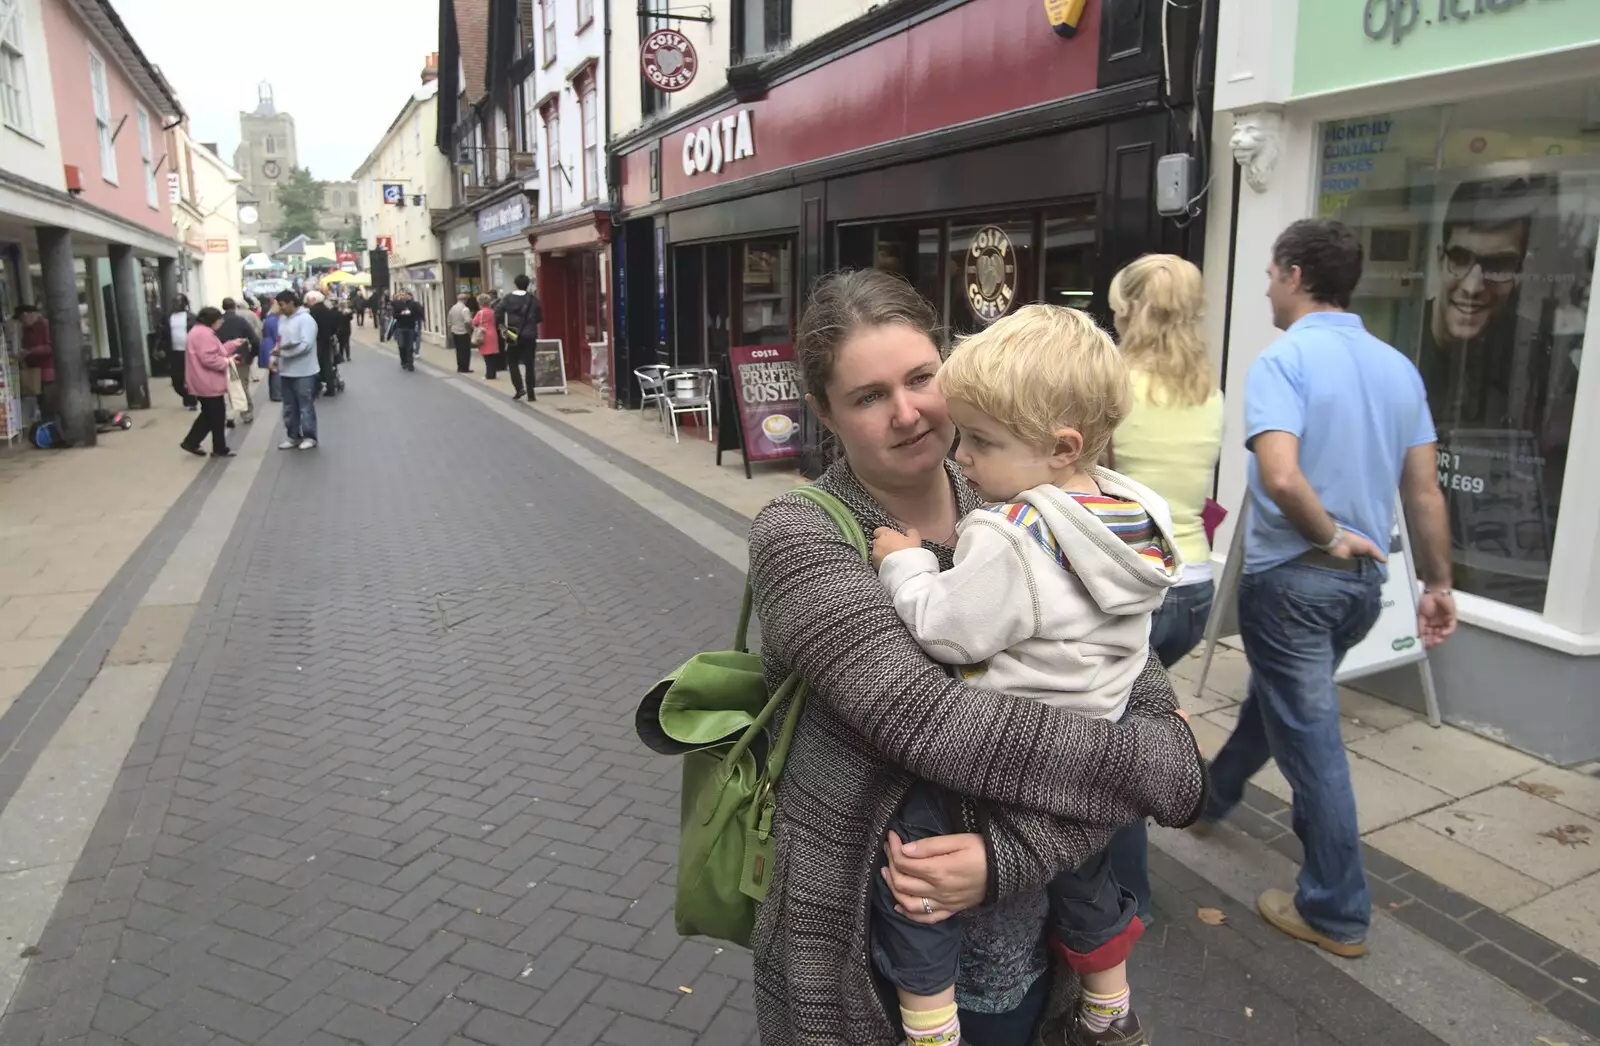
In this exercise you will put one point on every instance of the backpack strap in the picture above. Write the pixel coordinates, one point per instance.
(848, 526)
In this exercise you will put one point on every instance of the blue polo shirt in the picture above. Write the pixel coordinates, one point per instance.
(1356, 405)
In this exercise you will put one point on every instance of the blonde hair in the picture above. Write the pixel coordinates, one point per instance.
(1039, 370)
(1158, 301)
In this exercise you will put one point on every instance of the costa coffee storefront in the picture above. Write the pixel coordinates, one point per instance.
(967, 146)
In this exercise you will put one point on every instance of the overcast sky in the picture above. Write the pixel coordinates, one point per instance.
(342, 70)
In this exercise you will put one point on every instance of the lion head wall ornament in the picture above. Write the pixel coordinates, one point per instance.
(1255, 146)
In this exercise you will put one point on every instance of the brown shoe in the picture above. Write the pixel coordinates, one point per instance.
(1202, 829)
(1277, 908)
(1124, 1031)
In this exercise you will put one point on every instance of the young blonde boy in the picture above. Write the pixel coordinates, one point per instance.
(1050, 597)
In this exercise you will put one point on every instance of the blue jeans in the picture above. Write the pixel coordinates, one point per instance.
(1297, 622)
(299, 406)
(1176, 629)
(1180, 624)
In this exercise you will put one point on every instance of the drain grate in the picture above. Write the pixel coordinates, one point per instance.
(572, 410)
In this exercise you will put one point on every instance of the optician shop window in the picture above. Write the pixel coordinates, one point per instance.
(1479, 222)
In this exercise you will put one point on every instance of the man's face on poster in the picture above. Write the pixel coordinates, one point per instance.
(1479, 268)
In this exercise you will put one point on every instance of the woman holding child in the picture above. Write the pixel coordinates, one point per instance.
(1020, 792)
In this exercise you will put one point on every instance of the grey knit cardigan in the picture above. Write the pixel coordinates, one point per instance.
(1049, 786)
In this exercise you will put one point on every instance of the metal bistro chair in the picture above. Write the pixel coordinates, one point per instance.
(691, 391)
(652, 389)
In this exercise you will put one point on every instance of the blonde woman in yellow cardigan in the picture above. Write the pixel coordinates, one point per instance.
(1169, 442)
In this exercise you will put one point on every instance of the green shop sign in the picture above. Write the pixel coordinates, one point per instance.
(1344, 44)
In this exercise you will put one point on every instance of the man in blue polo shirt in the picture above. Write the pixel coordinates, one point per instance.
(1336, 422)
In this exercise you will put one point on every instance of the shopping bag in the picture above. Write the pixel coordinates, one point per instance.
(238, 395)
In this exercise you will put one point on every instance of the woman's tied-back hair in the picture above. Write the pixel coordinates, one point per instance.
(1159, 301)
(1042, 369)
(845, 303)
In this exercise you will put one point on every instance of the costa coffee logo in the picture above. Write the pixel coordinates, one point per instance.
(718, 143)
(669, 60)
(991, 273)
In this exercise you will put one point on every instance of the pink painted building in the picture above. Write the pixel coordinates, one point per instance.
(112, 109)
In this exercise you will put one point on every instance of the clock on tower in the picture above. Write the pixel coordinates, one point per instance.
(271, 169)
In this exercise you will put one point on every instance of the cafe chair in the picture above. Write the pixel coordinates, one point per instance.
(652, 389)
(691, 392)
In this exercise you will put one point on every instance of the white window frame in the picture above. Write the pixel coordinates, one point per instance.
(547, 15)
(16, 102)
(100, 92)
(147, 160)
(585, 13)
(552, 145)
(502, 145)
(588, 103)
(530, 116)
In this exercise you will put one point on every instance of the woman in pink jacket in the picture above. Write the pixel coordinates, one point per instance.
(489, 343)
(206, 377)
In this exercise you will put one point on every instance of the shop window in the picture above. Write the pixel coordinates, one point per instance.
(990, 271)
(765, 295)
(100, 90)
(1479, 223)
(1071, 245)
(760, 27)
(591, 147)
(16, 111)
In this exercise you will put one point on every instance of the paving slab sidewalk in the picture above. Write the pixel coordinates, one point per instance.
(69, 520)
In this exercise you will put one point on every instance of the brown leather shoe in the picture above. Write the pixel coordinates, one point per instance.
(1277, 908)
(1124, 1031)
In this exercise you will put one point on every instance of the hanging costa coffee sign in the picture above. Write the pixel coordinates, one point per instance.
(991, 272)
(668, 60)
(718, 143)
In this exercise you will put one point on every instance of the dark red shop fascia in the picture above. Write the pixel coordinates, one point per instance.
(902, 140)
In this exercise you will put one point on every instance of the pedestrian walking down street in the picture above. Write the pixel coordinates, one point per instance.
(1170, 442)
(342, 331)
(458, 324)
(179, 322)
(517, 317)
(206, 358)
(378, 303)
(236, 327)
(487, 338)
(296, 357)
(1335, 421)
(358, 304)
(269, 341)
(1063, 780)
(327, 322)
(407, 314)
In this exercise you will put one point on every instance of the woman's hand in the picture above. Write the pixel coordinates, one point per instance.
(933, 879)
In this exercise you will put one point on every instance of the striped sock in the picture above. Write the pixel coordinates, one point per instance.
(1100, 1010)
(939, 1027)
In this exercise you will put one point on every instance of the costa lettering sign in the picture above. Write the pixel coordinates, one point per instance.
(718, 143)
(669, 60)
(991, 272)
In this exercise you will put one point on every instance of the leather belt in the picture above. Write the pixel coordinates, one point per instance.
(1315, 557)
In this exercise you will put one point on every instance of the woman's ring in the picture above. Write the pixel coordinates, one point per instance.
(927, 906)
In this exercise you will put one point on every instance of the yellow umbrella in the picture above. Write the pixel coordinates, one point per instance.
(336, 276)
(360, 279)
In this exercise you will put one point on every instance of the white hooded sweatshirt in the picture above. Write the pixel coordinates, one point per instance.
(1046, 600)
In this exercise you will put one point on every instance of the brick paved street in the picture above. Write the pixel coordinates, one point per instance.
(391, 792)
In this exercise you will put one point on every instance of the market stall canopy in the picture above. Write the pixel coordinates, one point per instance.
(337, 276)
(359, 279)
(262, 262)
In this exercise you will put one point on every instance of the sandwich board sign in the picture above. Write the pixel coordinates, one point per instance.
(1393, 642)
